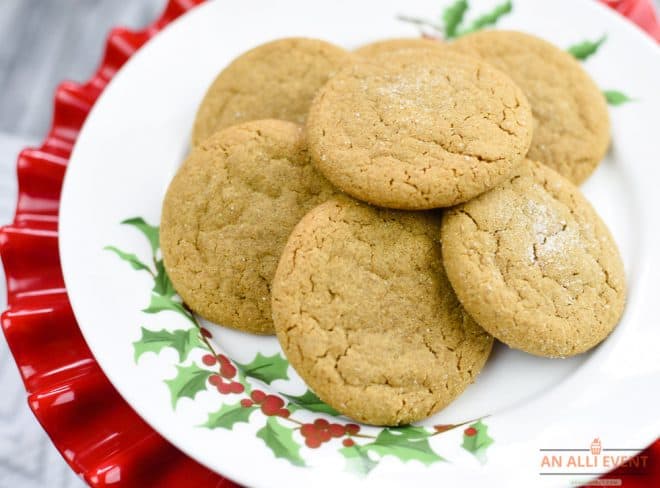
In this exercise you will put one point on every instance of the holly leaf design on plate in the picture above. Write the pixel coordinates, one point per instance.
(406, 443)
(162, 284)
(489, 18)
(280, 440)
(160, 303)
(476, 440)
(266, 368)
(149, 231)
(586, 49)
(311, 402)
(229, 415)
(452, 17)
(616, 98)
(358, 460)
(131, 259)
(189, 381)
(183, 341)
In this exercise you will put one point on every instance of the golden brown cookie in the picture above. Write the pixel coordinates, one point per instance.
(364, 312)
(389, 45)
(227, 215)
(277, 80)
(572, 127)
(534, 265)
(418, 128)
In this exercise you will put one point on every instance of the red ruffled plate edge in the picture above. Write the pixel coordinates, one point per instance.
(95, 430)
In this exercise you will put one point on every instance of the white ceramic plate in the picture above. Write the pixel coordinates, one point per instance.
(132, 143)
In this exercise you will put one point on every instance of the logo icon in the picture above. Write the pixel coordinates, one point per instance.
(596, 446)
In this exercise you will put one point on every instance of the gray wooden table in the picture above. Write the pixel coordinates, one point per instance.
(42, 42)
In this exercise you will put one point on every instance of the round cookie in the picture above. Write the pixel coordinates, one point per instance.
(572, 127)
(227, 215)
(365, 313)
(534, 265)
(389, 45)
(277, 80)
(418, 128)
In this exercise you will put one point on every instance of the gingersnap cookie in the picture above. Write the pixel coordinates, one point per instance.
(365, 314)
(572, 127)
(418, 128)
(389, 45)
(277, 80)
(227, 215)
(534, 265)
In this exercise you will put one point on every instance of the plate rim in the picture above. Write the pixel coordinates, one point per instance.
(136, 59)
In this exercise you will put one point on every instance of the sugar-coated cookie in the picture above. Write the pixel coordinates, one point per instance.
(418, 128)
(227, 215)
(572, 127)
(277, 80)
(365, 314)
(534, 265)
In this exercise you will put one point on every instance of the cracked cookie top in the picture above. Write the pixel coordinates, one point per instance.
(388, 45)
(227, 214)
(276, 80)
(365, 314)
(418, 128)
(534, 265)
(571, 119)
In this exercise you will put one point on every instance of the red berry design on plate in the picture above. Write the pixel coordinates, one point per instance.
(206, 333)
(258, 396)
(224, 388)
(348, 442)
(313, 442)
(352, 429)
(308, 430)
(246, 402)
(283, 412)
(208, 359)
(312, 435)
(336, 430)
(271, 405)
(321, 431)
(236, 387)
(324, 435)
(215, 379)
(470, 431)
(227, 369)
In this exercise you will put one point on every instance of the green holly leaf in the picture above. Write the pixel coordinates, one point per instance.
(162, 283)
(160, 303)
(266, 368)
(149, 231)
(489, 18)
(131, 259)
(586, 49)
(228, 416)
(616, 98)
(188, 381)
(280, 440)
(476, 440)
(311, 402)
(358, 460)
(183, 341)
(452, 17)
(406, 443)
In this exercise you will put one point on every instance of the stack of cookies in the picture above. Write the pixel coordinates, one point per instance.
(389, 212)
